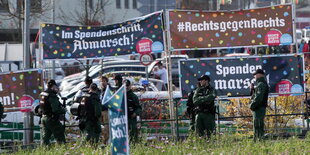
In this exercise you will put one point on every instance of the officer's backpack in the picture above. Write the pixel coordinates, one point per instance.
(45, 106)
(86, 108)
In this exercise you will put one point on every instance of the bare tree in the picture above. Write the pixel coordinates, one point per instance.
(13, 14)
(91, 13)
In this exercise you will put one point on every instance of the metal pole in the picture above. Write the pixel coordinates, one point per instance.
(294, 26)
(53, 20)
(218, 116)
(26, 136)
(275, 112)
(307, 111)
(177, 118)
(168, 65)
(147, 76)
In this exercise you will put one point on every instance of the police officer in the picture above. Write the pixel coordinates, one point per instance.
(51, 111)
(190, 109)
(134, 109)
(90, 115)
(258, 103)
(78, 96)
(203, 100)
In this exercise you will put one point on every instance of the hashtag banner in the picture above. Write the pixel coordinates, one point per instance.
(192, 30)
(142, 35)
(232, 77)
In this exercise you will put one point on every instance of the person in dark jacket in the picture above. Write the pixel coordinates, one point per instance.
(90, 115)
(258, 103)
(134, 109)
(203, 100)
(51, 112)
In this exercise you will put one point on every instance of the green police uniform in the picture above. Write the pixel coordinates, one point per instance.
(190, 111)
(205, 111)
(133, 107)
(50, 119)
(90, 119)
(258, 106)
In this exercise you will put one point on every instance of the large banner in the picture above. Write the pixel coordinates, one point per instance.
(192, 30)
(233, 76)
(141, 35)
(20, 89)
(118, 120)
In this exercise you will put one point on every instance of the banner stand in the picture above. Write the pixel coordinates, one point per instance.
(168, 66)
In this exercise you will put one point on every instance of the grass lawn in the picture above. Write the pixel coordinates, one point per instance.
(223, 144)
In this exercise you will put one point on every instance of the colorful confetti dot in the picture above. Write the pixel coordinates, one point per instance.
(285, 14)
(115, 104)
(117, 97)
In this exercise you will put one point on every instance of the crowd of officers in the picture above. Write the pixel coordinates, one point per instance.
(91, 115)
(201, 108)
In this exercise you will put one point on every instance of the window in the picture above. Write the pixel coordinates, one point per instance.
(118, 4)
(134, 4)
(4, 5)
(35, 5)
(126, 4)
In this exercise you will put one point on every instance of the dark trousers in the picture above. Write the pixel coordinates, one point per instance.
(52, 126)
(258, 123)
(205, 122)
